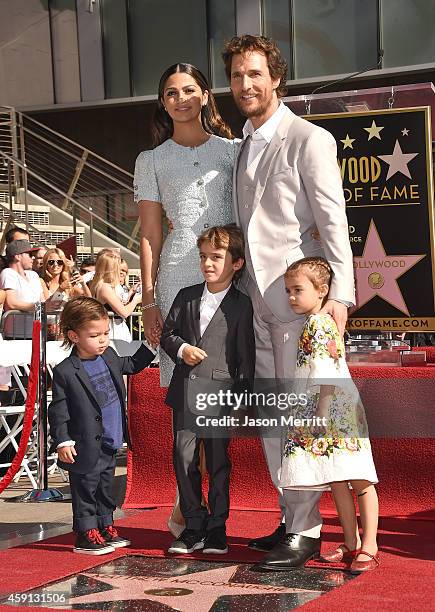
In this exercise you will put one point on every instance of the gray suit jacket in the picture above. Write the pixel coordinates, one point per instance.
(297, 187)
(228, 341)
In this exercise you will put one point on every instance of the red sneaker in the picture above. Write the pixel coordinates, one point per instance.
(111, 537)
(91, 543)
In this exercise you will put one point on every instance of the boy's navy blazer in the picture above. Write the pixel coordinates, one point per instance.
(228, 341)
(75, 413)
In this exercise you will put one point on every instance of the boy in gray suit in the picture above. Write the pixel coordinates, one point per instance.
(209, 335)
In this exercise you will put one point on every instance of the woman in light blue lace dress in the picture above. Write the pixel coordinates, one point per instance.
(187, 176)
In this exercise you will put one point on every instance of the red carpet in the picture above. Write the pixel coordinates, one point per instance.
(430, 352)
(406, 486)
(404, 581)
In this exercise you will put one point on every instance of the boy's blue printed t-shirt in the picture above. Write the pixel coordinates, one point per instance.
(108, 398)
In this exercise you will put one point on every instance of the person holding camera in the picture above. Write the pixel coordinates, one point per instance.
(60, 280)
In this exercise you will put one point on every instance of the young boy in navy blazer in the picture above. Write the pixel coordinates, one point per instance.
(209, 335)
(88, 420)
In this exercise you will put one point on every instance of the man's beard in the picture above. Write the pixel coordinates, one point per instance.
(258, 111)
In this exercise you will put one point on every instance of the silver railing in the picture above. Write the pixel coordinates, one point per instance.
(92, 189)
(9, 217)
(87, 215)
(17, 325)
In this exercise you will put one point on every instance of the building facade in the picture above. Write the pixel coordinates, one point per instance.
(90, 68)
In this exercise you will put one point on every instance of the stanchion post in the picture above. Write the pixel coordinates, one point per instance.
(42, 402)
(42, 493)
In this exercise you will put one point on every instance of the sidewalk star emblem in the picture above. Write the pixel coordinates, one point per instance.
(195, 591)
(376, 273)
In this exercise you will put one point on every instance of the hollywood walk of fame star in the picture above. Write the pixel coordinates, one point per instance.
(398, 161)
(376, 273)
(347, 142)
(197, 591)
(374, 131)
(405, 132)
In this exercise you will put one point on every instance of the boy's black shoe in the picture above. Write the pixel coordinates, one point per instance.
(112, 537)
(92, 543)
(216, 542)
(189, 540)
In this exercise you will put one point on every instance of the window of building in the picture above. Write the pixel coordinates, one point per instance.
(411, 21)
(162, 33)
(222, 27)
(334, 36)
(277, 24)
(323, 37)
(115, 49)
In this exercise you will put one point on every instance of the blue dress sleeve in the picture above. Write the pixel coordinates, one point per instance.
(145, 179)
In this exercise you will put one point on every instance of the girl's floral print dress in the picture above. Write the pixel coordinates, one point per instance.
(343, 453)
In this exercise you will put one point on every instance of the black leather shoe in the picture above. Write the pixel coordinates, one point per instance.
(292, 552)
(268, 542)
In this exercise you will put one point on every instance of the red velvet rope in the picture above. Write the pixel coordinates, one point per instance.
(30, 408)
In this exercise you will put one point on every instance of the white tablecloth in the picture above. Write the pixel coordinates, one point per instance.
(19, 352)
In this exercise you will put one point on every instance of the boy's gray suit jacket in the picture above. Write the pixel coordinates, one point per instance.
(228, 341)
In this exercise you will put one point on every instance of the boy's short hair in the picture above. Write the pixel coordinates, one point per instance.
(317, 269)
(77, 312)
(228, 237)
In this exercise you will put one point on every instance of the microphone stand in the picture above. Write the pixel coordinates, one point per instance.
(342, 80)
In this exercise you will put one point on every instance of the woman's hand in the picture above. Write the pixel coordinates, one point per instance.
(133, 289)
(69, 263)
(66, 285)
(152, 324)
(76, 278)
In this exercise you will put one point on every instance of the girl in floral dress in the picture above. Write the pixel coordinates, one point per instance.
(333, 450)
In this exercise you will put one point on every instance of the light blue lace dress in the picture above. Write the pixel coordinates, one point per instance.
(194, 186)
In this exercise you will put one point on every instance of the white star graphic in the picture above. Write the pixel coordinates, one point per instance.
(201, 589)
(347, 142)
(398, 161)
(405, 132)
(374, 131)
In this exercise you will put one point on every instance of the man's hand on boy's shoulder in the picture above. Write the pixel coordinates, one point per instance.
(67, 453)
(192, 355)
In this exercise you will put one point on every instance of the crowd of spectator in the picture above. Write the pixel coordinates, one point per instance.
(32, 274)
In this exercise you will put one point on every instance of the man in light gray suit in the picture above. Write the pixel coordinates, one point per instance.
(287, 187)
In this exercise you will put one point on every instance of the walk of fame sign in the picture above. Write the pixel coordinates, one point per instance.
(385, 160)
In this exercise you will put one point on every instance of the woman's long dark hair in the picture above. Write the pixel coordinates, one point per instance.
(212, 122)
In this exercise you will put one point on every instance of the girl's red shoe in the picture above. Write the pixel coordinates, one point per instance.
(358, 567)
(342, 553)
